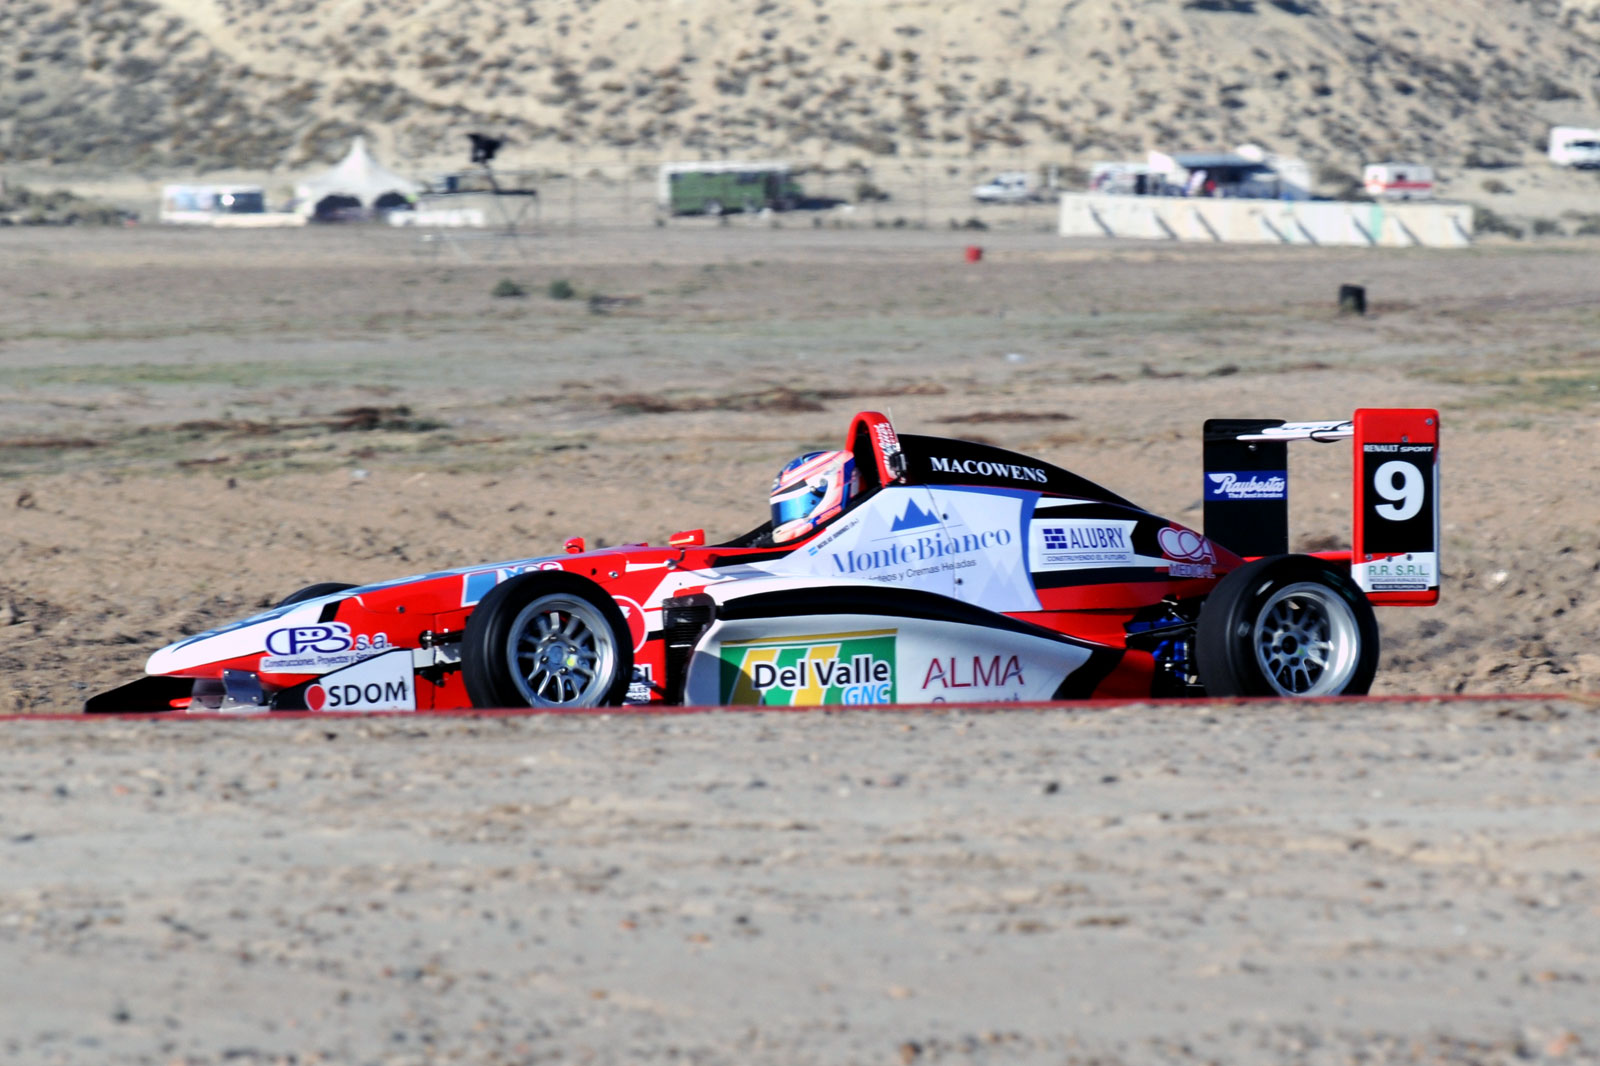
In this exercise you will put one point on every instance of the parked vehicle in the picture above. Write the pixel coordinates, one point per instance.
(1398, 181)
(1126, 179)
(897, 570)
(203, 204)
(1010, 187)
(715, 188)
(1573, 146)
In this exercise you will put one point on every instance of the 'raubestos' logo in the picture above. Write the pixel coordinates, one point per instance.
(847, 668)
(1247, 485)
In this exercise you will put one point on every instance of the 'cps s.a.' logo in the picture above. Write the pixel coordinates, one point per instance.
(323, 639)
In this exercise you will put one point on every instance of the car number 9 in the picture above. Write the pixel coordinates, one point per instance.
(1401, 483)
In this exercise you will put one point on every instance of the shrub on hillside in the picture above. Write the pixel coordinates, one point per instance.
(1486, 220)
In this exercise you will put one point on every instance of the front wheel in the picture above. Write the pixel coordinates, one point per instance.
(546, 639)
(1286, 625)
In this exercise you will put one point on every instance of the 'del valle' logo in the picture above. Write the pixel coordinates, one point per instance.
(846, 668)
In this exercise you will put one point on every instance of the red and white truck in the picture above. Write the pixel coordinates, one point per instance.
(1398, 181)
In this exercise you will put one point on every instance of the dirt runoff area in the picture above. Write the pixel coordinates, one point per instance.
(194, 424)
(1183, 884)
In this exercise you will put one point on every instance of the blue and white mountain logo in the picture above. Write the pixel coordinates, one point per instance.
(914, 518)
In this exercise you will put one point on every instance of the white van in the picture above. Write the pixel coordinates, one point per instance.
(1398, 181)
(1573, 146)
(1010, 187)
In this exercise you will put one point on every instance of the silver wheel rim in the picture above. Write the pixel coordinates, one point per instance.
(561, 652)
(1306, 641)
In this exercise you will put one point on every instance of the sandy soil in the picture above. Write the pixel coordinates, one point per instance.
(193, 424)
(1261, 884)
(197, 423)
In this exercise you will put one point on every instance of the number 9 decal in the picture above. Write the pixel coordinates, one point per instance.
(1402, 484)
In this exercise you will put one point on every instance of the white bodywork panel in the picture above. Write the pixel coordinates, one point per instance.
(818, 660)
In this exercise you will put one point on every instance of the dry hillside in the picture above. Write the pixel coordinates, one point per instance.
(281, 83)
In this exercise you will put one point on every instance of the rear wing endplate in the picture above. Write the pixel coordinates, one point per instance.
(1395, 494)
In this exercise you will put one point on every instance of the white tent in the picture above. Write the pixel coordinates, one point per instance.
(358, 176)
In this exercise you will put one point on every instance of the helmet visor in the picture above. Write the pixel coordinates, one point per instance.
(800, 503)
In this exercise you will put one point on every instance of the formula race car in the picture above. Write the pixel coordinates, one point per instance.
(899, 569)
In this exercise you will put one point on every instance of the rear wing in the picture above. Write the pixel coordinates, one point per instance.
(1394, 553)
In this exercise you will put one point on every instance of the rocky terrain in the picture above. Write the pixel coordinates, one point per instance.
(264, 84)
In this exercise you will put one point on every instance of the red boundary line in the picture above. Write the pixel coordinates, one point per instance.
(648, 710)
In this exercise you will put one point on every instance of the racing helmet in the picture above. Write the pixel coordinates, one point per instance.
(810, 490)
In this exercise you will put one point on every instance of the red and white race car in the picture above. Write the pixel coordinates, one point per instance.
(958, 572)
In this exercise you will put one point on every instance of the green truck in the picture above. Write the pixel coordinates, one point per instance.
(717, 188)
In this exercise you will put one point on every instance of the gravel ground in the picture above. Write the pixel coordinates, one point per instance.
(1374, 882)
(194, 424)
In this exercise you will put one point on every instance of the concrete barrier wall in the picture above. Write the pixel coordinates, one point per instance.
(1173, 218)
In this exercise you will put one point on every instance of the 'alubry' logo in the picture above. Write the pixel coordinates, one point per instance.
(1084, 538)
(847, 668)
(321, 639)
(1068, 543)
(1249, 485)
(984, 468)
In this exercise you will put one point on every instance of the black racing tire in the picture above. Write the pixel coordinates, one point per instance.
(312, 592)
(547, 639)
(1286, 625)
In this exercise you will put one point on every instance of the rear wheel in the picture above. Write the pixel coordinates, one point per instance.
(1287, 625)
(547, 639)
(713, 207)
(313, 592)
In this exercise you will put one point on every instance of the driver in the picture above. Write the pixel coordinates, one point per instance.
(809, 491)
